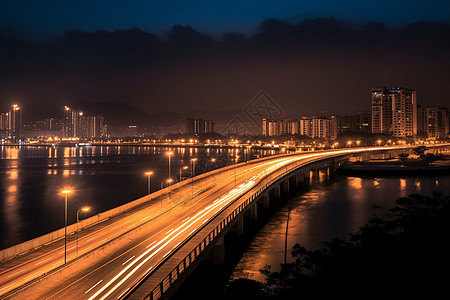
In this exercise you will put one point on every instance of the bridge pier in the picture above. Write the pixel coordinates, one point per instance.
(254, 211)
(299, 178)
(219, 252)
(286, 186)
(265, 200)
(277, 190)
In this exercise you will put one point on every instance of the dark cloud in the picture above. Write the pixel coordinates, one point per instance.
(313, 65)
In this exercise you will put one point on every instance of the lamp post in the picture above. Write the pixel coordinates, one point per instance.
(149, 186)
(168, 181)
(235, 167)
(66, 193)
(193, 160)
(169, 154)
(183, 168)
(83, 209)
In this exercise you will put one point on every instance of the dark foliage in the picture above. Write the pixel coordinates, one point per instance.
(403, 254)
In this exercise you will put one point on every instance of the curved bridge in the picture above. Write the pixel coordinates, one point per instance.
(148, 248)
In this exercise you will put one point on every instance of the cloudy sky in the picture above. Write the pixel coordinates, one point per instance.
(309, 56)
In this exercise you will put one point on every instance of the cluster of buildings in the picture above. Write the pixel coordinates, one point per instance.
(74, 125)
(394, 112)
(318, 126)
(198, 126)
(11, 123)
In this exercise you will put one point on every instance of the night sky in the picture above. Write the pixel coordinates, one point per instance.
(311, 57)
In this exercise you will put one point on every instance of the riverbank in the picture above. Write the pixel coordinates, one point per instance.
(397, 167)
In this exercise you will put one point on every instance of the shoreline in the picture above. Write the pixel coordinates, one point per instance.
(395, 167)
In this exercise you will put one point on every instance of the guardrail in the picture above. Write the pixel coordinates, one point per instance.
(187, 261)
(59, 234)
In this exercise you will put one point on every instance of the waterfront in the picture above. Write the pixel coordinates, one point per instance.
(330, 208)
(103, 177)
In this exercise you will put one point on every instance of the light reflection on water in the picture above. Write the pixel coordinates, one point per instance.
(329, 209)
(104, 177)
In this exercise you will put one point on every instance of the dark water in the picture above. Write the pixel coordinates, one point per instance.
(31, 179)
(331, 208)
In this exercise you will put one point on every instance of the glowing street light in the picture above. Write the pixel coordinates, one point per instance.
(235, 167)
(149, 186)
(83, 209)
(66, 193)
(183, 168)
(193, 160)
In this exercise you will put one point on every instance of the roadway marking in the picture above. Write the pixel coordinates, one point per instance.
(163, 243)
(128, 260)
(32, 275)
(93, 286)
(150, 244)
(41, 262)
(58, 263)
(145, 218)
(6, 287)
(67, 250)
(17, 272)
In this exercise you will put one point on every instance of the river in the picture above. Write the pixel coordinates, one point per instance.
(331, 208)
(101, 177)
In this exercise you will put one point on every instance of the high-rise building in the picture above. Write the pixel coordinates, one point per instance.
(76, 124)
(404, 112)
(196, 126)
(320, 127)
(306, 126)
(15, 122)
(4, 121)
(394, 111)
(67, 126)
(381, 110)
(433, 122)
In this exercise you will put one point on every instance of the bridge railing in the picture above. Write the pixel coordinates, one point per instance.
(200, 248)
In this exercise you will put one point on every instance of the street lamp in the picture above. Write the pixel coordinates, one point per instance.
(83, 209)
(169, 154)
(149, 186)
(235, 167)
(183, 168)
(66, 193)
(193, 160)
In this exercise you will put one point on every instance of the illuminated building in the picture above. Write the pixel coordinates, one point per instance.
(15, 122)
(381, 110)
(394, 111)
(433, 122)
(67, 126)
(77, 124)
(196, 126)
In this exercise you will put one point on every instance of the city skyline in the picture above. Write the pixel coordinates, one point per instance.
(315, 63)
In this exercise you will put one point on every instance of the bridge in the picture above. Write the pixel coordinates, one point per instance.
(147, 248)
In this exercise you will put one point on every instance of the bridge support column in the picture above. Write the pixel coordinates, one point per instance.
(254, 211)
(277, 190)
(299, 177)
(240, 226)
(219, 252)
(286, 186)
(265, 200)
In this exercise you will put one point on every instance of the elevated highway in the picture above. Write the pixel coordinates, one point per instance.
(147, 251)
